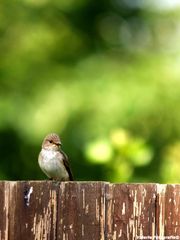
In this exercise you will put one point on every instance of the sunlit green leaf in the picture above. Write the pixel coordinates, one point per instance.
(99, 151)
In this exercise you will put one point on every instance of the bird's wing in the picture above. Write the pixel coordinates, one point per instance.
(67, 166)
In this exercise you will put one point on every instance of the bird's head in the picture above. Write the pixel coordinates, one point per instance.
(51, 142)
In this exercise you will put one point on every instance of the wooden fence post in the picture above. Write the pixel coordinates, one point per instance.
(41, 210)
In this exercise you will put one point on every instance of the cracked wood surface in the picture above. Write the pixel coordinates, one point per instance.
(41, 210)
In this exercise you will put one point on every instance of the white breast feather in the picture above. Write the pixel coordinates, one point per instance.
(52, 166)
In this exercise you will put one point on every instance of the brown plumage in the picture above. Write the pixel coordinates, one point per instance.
(53, 161)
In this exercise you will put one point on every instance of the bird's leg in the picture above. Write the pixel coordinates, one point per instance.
(56, 182)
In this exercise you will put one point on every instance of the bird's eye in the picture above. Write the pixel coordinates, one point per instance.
(50, 141)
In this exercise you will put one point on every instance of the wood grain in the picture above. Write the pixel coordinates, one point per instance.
(41, 210)
(35, 217)
(130, 211)
(4, 210)
(81, 211)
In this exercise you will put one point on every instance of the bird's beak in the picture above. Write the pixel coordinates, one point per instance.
(59, 144)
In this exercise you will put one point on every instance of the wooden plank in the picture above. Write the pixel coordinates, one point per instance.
(130, 211)
(33, 210)
(88, 210)
(4, 210)
(81, 211)
(160, 210)
(172, 211)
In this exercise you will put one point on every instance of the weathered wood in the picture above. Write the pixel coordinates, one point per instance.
(172, 210)
(4, 210)
(43, 210)
(81, 211)
(130, 211)
(33, 210)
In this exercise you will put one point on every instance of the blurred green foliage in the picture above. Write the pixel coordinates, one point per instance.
(105, 75)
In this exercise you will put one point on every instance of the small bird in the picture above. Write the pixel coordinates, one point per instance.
(53, 161)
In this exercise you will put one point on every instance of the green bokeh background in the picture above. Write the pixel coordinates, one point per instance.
(105, 75)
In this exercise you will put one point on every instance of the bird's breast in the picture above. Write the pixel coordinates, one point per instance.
(51, 162)
(48, 154)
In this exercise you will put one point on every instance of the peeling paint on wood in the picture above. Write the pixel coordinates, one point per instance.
(41, 210)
